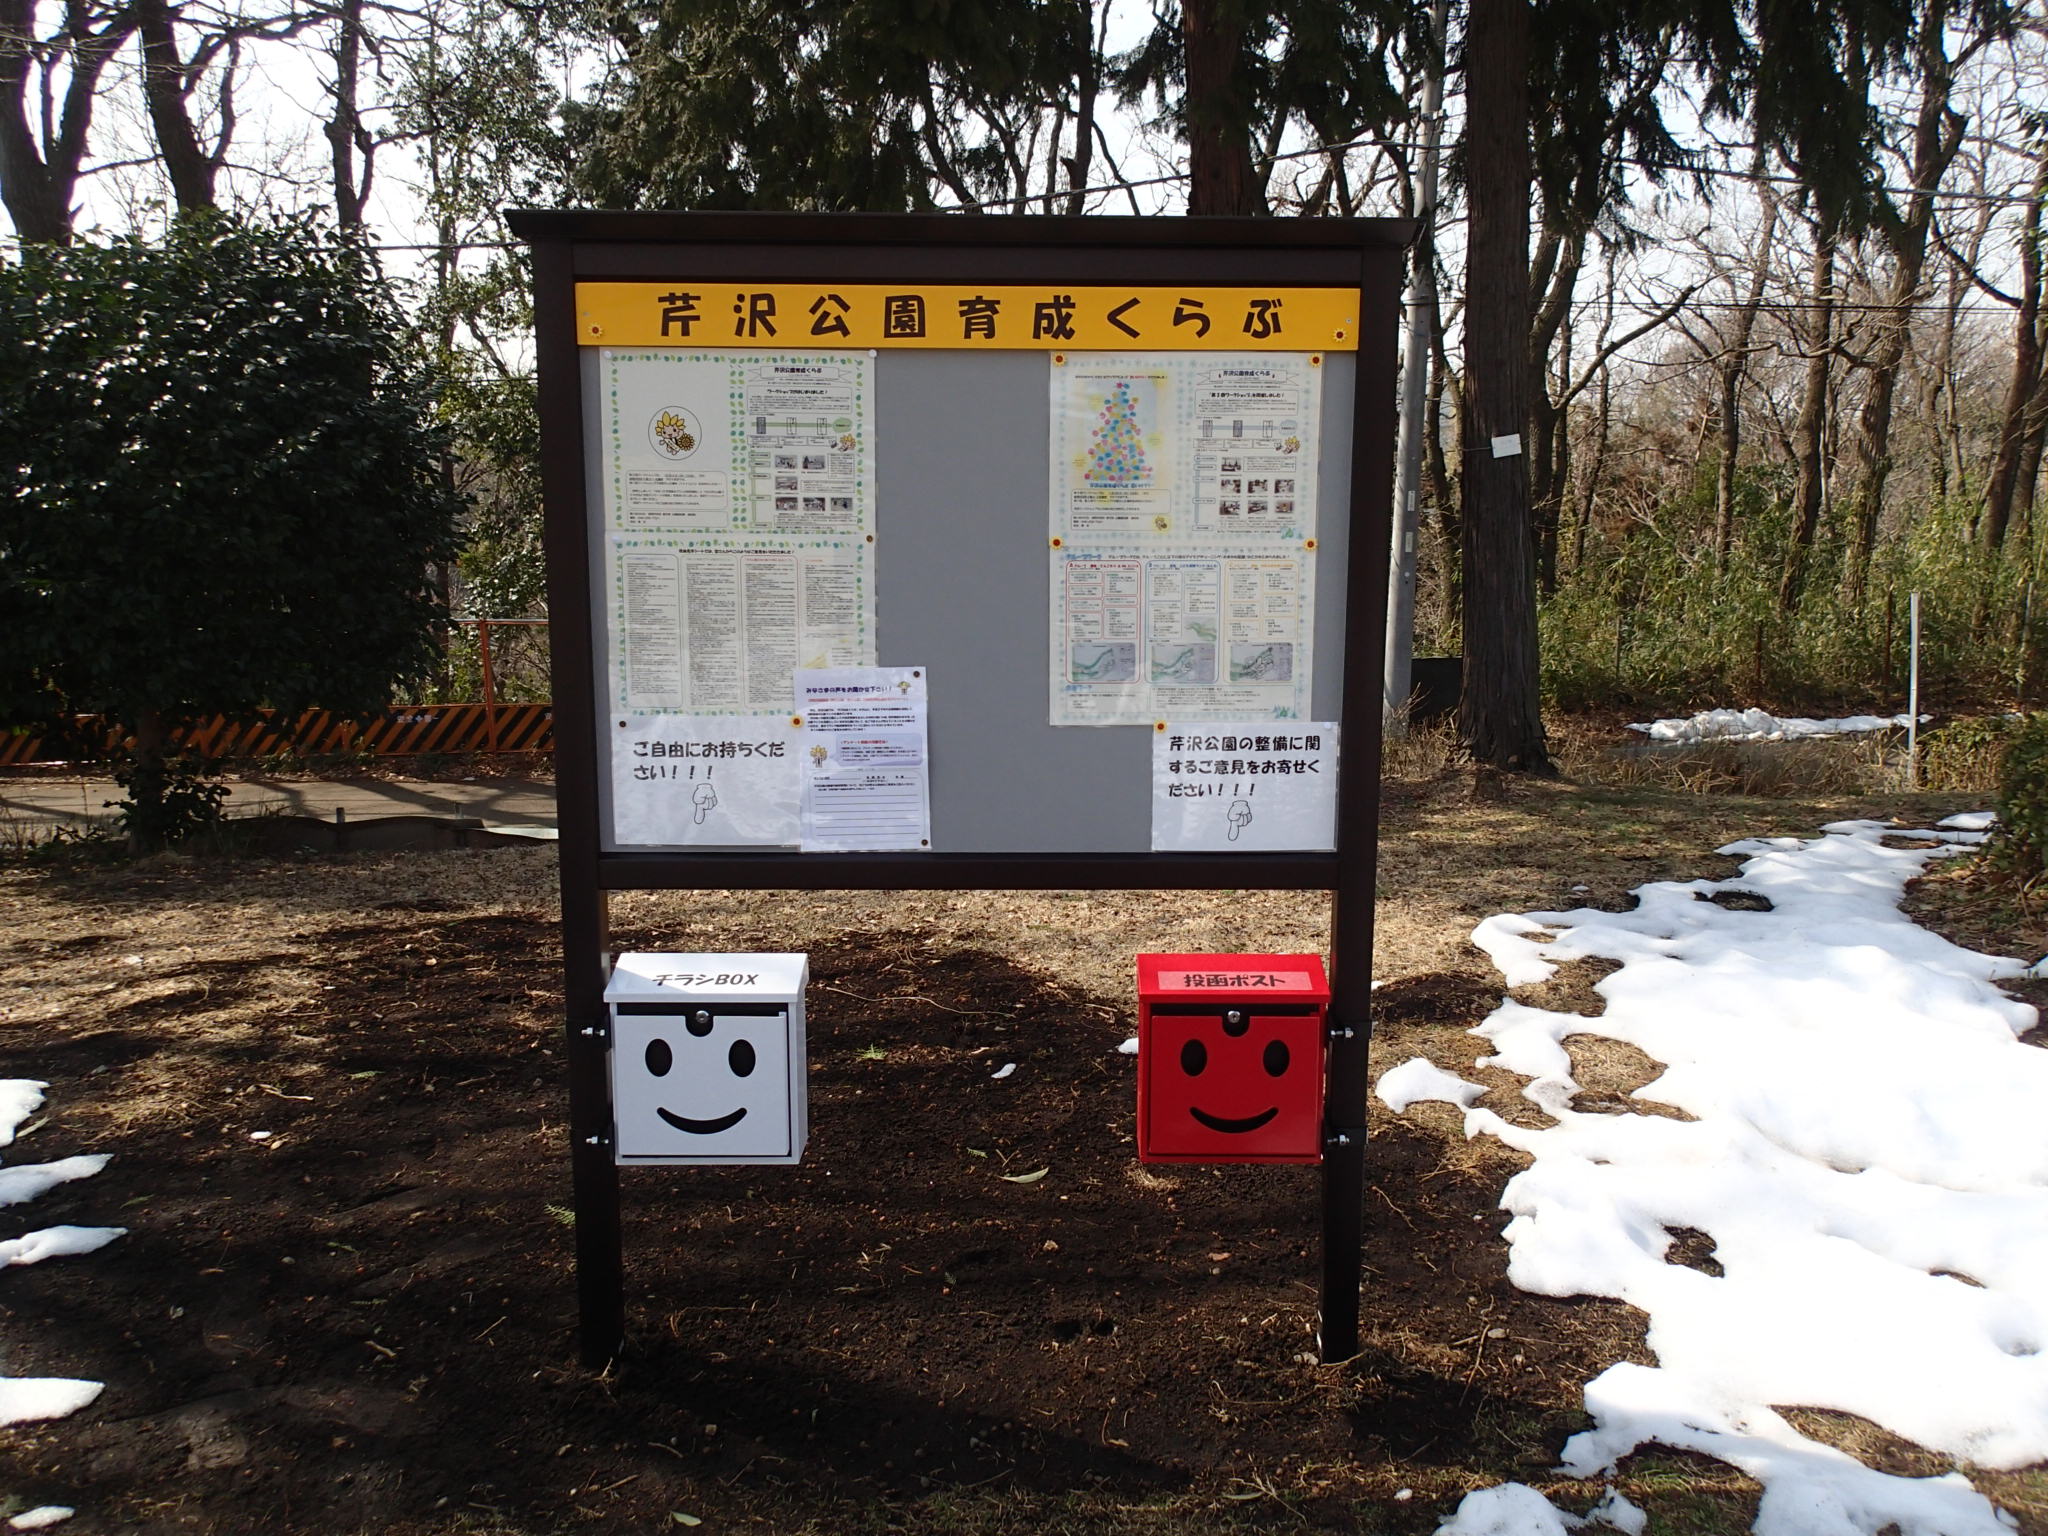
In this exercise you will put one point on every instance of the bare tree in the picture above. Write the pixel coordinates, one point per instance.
(49, 86)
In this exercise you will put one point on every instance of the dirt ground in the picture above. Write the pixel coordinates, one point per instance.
(333, 1091)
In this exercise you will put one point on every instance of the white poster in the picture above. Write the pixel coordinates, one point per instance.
(739, 492)
(720, 625)
(719, 780)
(866, 783)
(805, 427)
(1165, 448)
(730, 442)
(668, 441)
(1113, 432)
(1252, 446)
(1141, 637)
(1244, 787)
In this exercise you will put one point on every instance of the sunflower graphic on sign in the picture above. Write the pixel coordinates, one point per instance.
(674, 432)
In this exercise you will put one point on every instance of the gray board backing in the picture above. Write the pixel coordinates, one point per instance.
(962, 587)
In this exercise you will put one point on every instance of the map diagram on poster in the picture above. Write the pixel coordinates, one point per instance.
(1139, 637)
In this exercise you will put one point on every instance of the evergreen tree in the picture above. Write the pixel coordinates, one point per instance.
(219, 490)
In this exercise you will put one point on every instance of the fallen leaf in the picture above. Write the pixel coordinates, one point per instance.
(1024, 1178)
(682, 1519)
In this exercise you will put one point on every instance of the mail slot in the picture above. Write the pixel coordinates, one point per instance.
(708, 1059)
(1230, 1058)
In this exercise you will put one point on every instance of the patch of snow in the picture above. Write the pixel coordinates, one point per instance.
(42, 1515)
(1003, 1071)
(19, 1098)
(1761, 725)
(27, 1398)
(1863, 1151)
(1417, 1079)
(1970, 821)
(55, 1243)
(1129, 1047)
(23, 1398)
(32, 1179)
(1510, 1509)
(1616, 1512)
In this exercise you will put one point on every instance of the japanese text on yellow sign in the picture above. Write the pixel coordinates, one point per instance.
(812, 315)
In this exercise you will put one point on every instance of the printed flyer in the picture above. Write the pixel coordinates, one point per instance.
(1139, 637)
(738, 493)
(1182, 526)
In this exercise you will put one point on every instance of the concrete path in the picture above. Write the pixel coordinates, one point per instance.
(34, 802)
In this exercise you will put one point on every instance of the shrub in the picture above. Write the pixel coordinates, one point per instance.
(2023, 797)
(1967, 754)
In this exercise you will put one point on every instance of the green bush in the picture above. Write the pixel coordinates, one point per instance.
(2023, 797)
(169, 799)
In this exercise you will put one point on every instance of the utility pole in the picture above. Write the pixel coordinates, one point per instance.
(1420, 303)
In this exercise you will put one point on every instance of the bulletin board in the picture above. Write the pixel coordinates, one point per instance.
(921, 511)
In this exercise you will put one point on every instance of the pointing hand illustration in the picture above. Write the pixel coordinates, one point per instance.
(1240, 813)
(704, 797)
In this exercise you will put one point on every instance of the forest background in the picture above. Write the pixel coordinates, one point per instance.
(1772, 332)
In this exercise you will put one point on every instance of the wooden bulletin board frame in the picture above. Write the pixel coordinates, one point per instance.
(1022, 253)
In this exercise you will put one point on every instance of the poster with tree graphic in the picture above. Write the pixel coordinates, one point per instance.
(1113, 427)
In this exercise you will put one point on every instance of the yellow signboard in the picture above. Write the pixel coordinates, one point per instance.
(1047, 318)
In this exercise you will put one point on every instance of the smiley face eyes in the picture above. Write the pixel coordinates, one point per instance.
(661, 1056)
(1194, 1057)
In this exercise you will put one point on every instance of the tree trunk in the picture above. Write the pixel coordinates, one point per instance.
(1810, 430)
(1549, 464)
(1734, 369)
(1499, 715)
(2031, 444)
(1589, 493)
(39, 169)
(2025, 382)
(1937, 135)
(346, 136)
(1221, 178)
(188, 165)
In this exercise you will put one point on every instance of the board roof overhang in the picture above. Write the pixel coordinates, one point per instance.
(1169, 232)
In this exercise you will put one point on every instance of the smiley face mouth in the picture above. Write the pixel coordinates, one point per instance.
(1234, 1127)
(707, 1127)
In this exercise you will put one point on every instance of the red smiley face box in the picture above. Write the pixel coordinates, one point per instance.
(1230, 1058)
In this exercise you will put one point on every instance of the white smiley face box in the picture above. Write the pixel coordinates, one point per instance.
(708, 1060)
